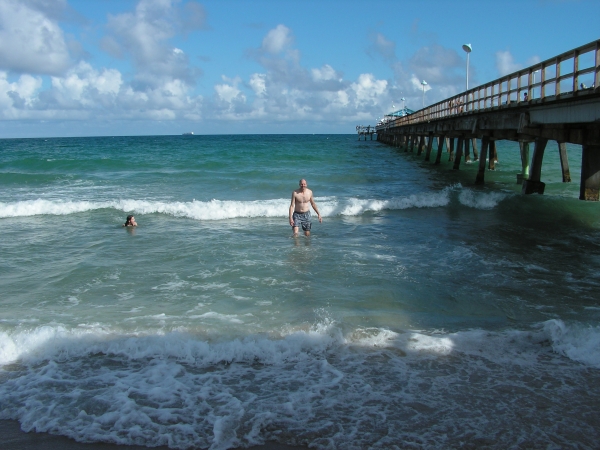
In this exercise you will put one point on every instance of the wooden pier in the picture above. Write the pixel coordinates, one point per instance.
(554, 100)
(368, 130)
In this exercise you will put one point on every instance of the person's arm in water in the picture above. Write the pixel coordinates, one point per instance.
(292, 207)
(314, 205)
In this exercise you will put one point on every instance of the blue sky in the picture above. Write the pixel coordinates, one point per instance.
(142, 67)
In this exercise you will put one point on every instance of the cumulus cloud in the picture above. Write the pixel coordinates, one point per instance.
(277, 40)
(505, 63)
(159, 89)
(162, 80)
(368, 89)
(19, 96)
(288, 91)
(441, 67)
(258, 84)
(325, 73)
(143, 35)
(437, 64)
(30, 41)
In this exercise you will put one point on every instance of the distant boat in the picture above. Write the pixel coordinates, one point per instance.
(189, 133)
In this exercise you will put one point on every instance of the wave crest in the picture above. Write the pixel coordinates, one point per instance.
(225, 209)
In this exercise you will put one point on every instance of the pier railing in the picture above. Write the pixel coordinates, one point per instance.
(570, 74)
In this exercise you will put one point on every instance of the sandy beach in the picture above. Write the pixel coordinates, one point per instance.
(13, 438)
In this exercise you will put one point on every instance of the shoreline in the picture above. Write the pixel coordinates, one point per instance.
(13, 438)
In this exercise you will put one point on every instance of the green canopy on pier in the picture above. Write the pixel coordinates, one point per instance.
(400, 113)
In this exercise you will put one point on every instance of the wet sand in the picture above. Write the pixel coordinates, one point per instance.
(12, 438)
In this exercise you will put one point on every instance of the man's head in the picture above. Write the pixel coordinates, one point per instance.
(302, 183)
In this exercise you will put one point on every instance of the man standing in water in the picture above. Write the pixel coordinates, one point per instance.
(302, 199)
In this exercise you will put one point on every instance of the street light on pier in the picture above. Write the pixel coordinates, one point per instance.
(402, 100)
(467, 48)
(424, 83)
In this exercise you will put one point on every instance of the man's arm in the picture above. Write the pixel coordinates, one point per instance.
(292, 207)
(314, 205)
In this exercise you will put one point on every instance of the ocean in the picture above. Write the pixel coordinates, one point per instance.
(424, 312)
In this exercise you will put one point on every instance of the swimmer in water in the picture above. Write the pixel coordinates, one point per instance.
(130, 222)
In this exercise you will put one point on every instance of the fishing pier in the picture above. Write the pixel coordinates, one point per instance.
(365, 131)
(554, 100)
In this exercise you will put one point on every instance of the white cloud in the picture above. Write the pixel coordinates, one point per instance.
(277, 40)
(325, 73)
(162, 81)
(417, 84)
(82, 86)
(30, 42)
(17, 97)
(258, 83)
(505, 63)
(229, 92)
(368, 89)
(143, 35)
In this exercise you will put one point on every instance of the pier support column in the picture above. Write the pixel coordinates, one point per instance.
(524, 146)
(533, 185)
(467, 154)
(421, 145)
(408, 142)
(459, 152)
(590, 173)
(564, 162)
(441, 140)
(412, 146)
(493, 156)
(429, 145)
(451, 150)
(485, 143)
(475, 153)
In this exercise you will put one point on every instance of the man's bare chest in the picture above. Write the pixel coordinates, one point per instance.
(302, 198)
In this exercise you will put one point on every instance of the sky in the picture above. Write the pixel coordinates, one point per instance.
(165, 67)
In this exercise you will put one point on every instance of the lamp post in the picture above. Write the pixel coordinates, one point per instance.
(402, 100)
(424, 83)
(467, 48)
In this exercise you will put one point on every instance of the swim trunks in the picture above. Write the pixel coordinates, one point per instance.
(302, 219)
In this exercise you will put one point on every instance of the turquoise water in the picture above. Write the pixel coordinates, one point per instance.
(424, 312)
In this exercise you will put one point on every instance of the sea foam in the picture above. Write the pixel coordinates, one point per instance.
(225, 209)
(182, 390)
